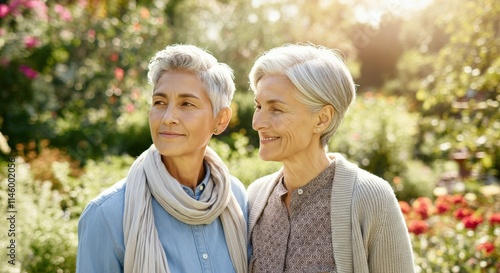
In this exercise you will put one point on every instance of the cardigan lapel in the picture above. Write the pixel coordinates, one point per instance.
(341, 202)
(262, 195)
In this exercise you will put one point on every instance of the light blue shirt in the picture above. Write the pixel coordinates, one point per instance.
(189, 248)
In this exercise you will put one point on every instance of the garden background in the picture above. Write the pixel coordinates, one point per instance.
(74, 104)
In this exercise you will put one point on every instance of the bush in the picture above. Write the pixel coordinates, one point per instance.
(242, 159)
(47, 216)
(378, 134)
(46, 227)
(455, 233)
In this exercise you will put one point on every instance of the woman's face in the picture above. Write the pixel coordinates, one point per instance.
(285, 125)
(181, 119)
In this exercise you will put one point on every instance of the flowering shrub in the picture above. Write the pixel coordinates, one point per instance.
(73, 73)
(455, 233)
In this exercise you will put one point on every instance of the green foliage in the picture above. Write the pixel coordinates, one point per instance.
(71, 71)
(74, 78)
(47, 218)
(238, 31)
(378, 134)
(242, 159)
(453, 74)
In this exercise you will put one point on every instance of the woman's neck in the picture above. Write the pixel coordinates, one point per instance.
(187, 171)
(297, 174)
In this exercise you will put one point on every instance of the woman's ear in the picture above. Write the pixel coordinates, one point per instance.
(325, 116)
(223, 119)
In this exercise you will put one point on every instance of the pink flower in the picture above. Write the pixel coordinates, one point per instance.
(130, 108)
(418, 227)
(31, 42)
(13, 7)
(31, 4)
(91, 33)
(39, 7)
(472, 221)
(63, 12)
(4, 10)
(119, 73)
(28, 71)
(486, 247)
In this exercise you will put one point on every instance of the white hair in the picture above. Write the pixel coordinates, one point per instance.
(318, 73)
(216, 77)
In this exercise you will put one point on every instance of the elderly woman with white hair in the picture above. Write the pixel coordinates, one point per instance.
(178, 209)
(319, 212)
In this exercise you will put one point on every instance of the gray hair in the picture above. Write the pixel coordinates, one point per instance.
(318, 73)
(216, 77)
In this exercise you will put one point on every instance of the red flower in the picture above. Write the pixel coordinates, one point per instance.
(114, 57)
(486, 247)
(494, 218)
(442, 208)
(472, 221)
(422, 207)
(405, 207)
(418, 227)
(461, 213)
(458, 199)
(28, 71)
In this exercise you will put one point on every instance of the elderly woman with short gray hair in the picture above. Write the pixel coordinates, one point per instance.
(178, 209)
(319, 212)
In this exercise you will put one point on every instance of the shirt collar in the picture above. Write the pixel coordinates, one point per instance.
(201, 187)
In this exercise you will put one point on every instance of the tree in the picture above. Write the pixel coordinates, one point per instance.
(72, 73)
(456, 62)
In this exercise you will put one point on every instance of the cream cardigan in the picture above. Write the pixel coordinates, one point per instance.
(369, 233)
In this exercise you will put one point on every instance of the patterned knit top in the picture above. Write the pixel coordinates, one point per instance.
(298, 240)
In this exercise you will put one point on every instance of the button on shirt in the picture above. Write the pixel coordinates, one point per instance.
(189, 248)
(299, 240)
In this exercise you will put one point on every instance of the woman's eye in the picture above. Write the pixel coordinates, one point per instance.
(275, 110)
(257, 107)
(158, 102)
(187, 104)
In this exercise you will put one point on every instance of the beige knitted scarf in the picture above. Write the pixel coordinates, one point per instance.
(149, 178)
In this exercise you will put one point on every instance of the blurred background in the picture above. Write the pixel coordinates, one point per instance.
(74, 102)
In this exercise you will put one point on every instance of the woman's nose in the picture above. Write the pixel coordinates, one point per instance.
(170, 116)
(259, 121)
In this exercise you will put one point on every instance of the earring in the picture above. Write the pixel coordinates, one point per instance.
(216, 130)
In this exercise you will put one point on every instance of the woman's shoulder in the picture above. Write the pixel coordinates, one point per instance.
(372, 184)
(366, 187)
(238, 190)
(363, 180)
(259, 183)
(237, 185)
(373, 195)
(111, 199)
